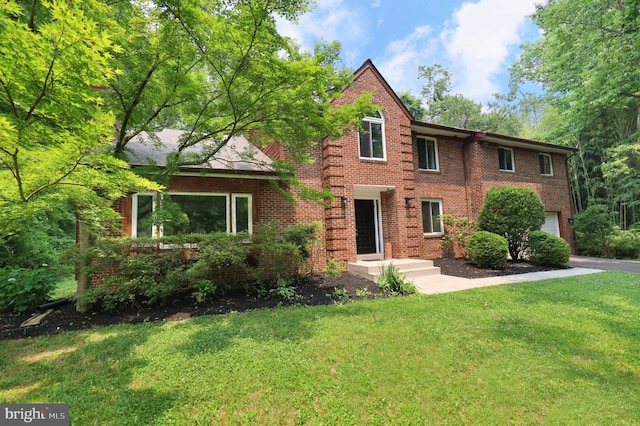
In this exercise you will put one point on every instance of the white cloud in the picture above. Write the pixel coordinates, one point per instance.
(330, 20)
(401, 59)
(479, 40)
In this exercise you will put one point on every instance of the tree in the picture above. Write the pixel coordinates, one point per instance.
(586, 59)
(219, 69)
(513, 212)
(458, 111)
(413, 104)
(54, 132)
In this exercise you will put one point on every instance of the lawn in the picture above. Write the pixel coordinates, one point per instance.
(563, 351)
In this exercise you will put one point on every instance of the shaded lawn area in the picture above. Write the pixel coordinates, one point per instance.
(562, 351)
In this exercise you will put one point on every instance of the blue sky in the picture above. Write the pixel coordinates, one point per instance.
(477, 40)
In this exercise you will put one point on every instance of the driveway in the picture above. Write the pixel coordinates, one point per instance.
(600, 263)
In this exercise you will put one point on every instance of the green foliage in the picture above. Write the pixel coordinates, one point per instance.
(625, 244)
(456, 110)
(457, 231)
(284, 290)
(391, 280)
(55, 132)
(593, 227)
(487, 249)
(594, 85)
(547, 249)
(43, 240)
(363, 292)
(22, 289)
(513, 212)
(335, 267)
(341, 295)
(413, 104)
(152, 271)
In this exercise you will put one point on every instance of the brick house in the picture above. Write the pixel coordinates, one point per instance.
(391, 183)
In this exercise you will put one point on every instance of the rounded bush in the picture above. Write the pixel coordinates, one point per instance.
(512, 211)
(547, 249)
(487, 249)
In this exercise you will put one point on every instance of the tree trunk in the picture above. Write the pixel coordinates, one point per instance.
(83, 276)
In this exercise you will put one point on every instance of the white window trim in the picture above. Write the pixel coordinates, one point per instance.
(134, 213)
(234, 217)
(378, 120)
(513, 159)
(433, 200)
(437, 154)
(550, 164)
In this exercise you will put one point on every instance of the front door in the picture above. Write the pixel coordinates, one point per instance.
(366, 229)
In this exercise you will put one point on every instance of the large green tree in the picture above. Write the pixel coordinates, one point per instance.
(220, 68)
(54, 131)
(587, 60)
(456, 110)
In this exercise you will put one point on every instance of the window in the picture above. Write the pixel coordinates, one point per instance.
(242, 221)
(546, 165)
(371, 137)
(428, 154)
(432, 216)
(188, 213)
(505, 156)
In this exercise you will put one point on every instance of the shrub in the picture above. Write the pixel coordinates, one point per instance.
(391, 280)
(457, 231)
(488, 250)
(624, 244)
(513, 212)
(149, 271)
(547, 249)
(334, 267)
(593, 227)
(24, 288)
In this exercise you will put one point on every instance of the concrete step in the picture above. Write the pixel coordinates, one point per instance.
(411, 268)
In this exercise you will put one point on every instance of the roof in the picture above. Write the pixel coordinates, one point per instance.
(497, 138)
(237, 156)
(459, 133)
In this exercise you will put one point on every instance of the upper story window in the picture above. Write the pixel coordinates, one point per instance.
(187, 213)
(428, 154)
(505, 156)
(371, 137)
(546, 165)
(432, 216)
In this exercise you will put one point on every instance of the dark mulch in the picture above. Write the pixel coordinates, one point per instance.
(467, 269)
(318, 289)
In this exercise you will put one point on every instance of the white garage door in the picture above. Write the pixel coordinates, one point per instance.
(551, 224)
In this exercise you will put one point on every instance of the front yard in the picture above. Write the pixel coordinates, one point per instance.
(564, 351)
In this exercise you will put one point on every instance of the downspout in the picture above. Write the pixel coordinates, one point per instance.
(467, 178)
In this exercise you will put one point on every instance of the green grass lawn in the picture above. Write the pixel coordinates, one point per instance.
(65, 288)
(563, 351)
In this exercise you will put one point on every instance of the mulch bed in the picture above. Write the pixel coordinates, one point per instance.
(317, 289)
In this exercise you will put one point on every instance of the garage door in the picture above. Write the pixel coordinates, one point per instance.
(551, 224)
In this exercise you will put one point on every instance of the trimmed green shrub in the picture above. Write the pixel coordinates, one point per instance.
(391, 280)
(513, 212)
(25, 288)
(625, 244)
(547, 249)
(593, 227)
(487, 249)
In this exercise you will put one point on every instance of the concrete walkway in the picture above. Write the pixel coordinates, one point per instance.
(580, 265)
(446, 283)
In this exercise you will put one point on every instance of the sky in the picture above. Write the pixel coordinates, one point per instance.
(476, 40)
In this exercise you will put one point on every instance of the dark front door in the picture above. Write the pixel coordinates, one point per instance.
(365, 226)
